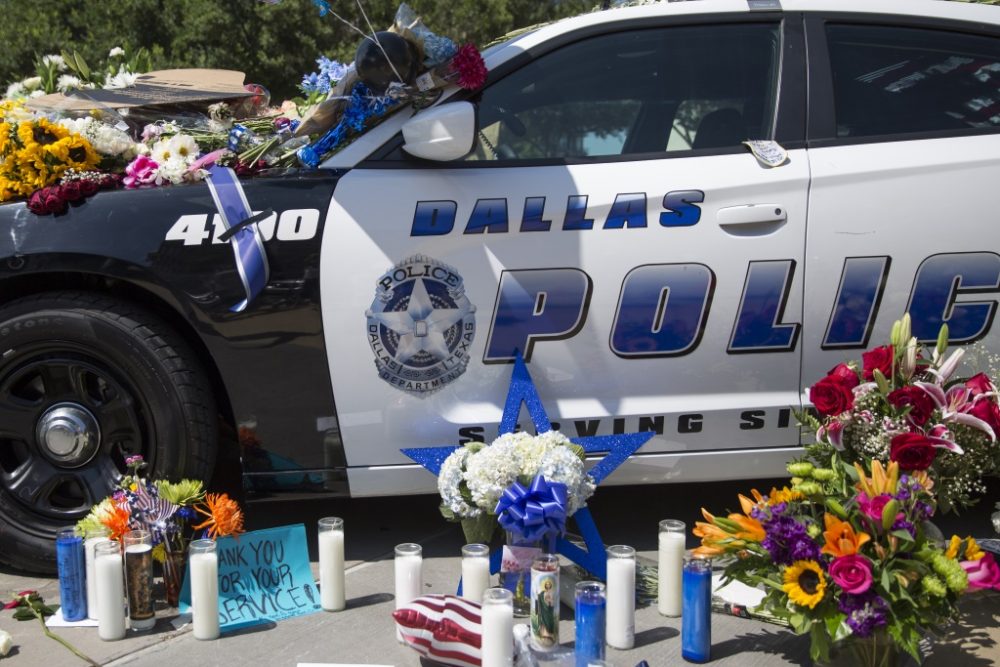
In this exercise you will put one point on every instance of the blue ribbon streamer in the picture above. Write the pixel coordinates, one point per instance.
(362, 106)
(535, 512)
(247, 243)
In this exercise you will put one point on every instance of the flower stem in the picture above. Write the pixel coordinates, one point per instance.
(52, 635)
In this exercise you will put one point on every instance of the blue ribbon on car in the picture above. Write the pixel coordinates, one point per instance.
(241, 231)
(535, 512)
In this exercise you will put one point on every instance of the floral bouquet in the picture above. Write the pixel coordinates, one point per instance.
(169, 511)
(850, 559)
(528, 484)
(901, 405)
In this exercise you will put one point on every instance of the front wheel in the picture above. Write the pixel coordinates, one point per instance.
(85, 382)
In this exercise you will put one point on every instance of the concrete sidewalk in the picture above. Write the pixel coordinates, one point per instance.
(364, 633)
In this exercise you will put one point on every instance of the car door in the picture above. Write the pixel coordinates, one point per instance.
(608, 225)
(905, 132)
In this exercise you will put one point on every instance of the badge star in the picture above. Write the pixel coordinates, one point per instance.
(618, 447)
(421, 327)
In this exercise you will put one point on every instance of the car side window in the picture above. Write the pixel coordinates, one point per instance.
(893, 80)
(641, 91)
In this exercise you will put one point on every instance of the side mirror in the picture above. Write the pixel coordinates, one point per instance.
(442, 133)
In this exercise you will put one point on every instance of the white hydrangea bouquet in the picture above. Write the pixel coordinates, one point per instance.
(474, 478)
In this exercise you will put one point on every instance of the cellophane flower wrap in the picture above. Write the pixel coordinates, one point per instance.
(474, 477)
(904, 403)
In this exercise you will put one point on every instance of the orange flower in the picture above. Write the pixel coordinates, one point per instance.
(841, 540)
(720, 535)
(224, 516)
(116, 519)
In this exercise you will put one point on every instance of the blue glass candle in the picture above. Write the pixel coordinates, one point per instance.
(696, 615)
(72, 574)
(591, 615)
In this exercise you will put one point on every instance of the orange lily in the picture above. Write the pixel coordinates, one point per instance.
(841, 540)
(883, 479)
(719, 535)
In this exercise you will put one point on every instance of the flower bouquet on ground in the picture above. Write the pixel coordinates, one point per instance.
(173, 513)
(529, 485)
(903, 405)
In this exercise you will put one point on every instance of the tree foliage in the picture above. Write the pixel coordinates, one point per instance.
(274, 44)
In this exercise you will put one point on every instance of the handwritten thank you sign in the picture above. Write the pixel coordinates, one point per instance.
(263, 576)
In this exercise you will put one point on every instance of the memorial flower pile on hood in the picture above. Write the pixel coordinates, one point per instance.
(903, 404)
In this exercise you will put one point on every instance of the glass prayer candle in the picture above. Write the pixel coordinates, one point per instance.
(72, 574)
(139, 578)
(545, 603)
(670, 567)
(91, 539)
(591, 616)
(203, 565)
(475, 571)
(331, 564)
(409, 575)
(696, 617)
(109, 590)
(621, 597)
(498, 628)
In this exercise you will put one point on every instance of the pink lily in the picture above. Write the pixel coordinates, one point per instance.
(942, 438)
(954, 405)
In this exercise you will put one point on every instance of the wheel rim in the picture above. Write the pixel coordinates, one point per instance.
(68, 420)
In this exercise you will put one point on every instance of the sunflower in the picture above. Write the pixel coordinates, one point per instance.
(224, 515)
(804, 583)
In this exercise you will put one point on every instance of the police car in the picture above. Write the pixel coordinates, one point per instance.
(594, 208)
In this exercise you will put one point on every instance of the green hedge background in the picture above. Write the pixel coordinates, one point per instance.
(274, 44)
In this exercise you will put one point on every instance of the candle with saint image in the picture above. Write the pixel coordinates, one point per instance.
(331, 563)
(91, 539)
(621, 597)
(545, 603)
(671, 565)
(139, 579)
(498, 628)
(204, 569)
(72, 574)
(109, 590)
(409, 566)
(475, 571)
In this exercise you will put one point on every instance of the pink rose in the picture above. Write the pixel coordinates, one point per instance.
(852, 573)
(141, 173)
(873, 506)
(983, 573)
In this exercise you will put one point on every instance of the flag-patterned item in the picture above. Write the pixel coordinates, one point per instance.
(444, 628)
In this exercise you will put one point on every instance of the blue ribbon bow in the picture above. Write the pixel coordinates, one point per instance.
(533, 513)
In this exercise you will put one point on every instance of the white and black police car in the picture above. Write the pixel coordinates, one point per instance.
(593, 207)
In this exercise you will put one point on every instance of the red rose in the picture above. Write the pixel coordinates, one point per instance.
(987, 410)
(913, 451)
(89, 187)
(845, 375)
(831, 397)
(880, 358)
(979, 384)
(47, 200)
(36, 203)
(71, 191)
(921, 405)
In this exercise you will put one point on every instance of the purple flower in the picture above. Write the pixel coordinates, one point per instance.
(865, 612)
(902, 524)
(787, 540)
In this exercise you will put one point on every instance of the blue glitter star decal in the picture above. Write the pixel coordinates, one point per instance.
(618, 447)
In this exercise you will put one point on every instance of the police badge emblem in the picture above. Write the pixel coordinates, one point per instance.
(421, 325)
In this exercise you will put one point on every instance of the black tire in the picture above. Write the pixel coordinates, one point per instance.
(98, 360)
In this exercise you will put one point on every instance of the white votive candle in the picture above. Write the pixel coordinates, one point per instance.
(90, 542)
(204, 566)
(331, 563)
(109, 594)
(498, 628)
(409, 576)
(670, 569)
(475, 571)
(621, 597)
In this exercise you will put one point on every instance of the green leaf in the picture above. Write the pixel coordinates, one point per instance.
(819, 648)
(886, 579)
(578, 450)
(836, 508)
(889, 513)
(883, 384)
(447, 513)
(903, 535)
(23, 614)
(82, 66)
(942, 340)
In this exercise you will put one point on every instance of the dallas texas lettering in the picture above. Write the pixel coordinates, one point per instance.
(255, 583)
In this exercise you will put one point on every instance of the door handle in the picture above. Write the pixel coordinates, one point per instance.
(751, 219)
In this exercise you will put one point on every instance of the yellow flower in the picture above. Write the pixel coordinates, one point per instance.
(883, 480)
(783, 495)
(972, 550)
(805, 583)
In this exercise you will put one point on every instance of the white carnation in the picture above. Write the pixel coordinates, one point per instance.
(123, 79)
(53, 59)
(116, 52)
(173, 170)
(32, 82)
(14, 90)
(449, 479)
(67, 82)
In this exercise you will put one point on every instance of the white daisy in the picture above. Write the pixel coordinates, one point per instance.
(184, 147)
(67, 82)
(162, 151)
(53, 59)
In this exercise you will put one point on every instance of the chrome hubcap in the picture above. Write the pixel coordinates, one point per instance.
(68, 434)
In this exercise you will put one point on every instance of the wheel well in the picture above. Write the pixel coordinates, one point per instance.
(25, 285)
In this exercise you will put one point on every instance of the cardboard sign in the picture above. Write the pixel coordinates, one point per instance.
(263, 576)
(170, 86)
